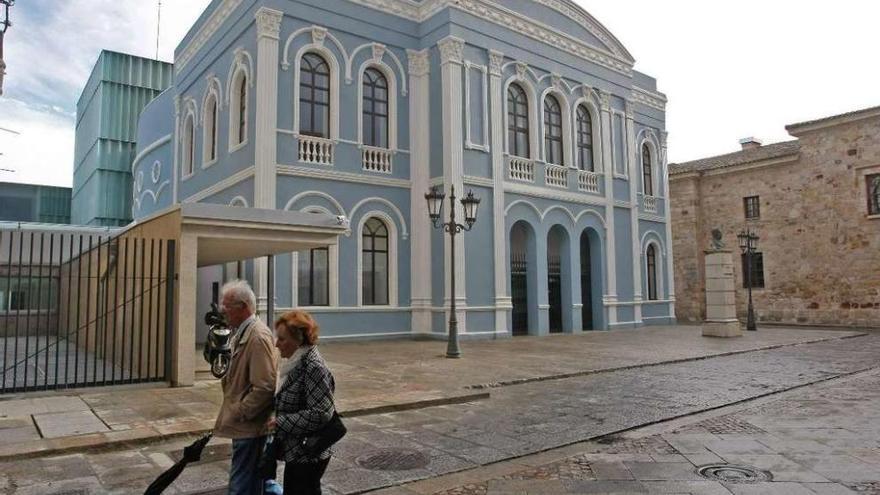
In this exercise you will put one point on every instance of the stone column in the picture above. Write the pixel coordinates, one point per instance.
(420, 240)
(175, 179)
(265, 129)
(609, 299)
(503, 303)
(451, 57)
(633, 167)
(183, 346)
(720, 296)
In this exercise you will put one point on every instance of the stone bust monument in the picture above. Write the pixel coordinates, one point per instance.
(716, 244)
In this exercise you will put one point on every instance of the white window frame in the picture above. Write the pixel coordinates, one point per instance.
(332, 270)
(242, 66)
(623, 152)
(566, 127)
(596, 119)
(212, 93)
(532, 96)
(392, 101)
(188, 163)
(654, 240)
(392, 258)
(333, 65)
(469, 142)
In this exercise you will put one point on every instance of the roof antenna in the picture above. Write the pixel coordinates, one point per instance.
(158, 25)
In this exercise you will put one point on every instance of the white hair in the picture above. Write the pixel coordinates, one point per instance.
(240, 291)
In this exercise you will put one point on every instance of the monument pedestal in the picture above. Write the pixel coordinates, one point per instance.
(721, 318)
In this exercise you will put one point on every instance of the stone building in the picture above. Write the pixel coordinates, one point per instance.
(814, 202)
(356, 108)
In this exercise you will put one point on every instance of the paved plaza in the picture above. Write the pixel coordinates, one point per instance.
(813, 427)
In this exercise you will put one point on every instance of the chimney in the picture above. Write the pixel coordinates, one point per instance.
(750, 143)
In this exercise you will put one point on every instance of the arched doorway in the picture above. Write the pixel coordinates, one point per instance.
(586, 283)
(556, 279)
(522, 271)
(592, 276)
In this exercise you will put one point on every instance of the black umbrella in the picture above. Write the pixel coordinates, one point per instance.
(190, 454)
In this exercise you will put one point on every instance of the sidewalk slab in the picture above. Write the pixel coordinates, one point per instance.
(382, 376)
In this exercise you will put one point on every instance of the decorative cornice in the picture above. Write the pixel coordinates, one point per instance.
(221, 13)
(268, 22)
(649, 98)
(629, 110)
(540, 192)
(316, 173)
(419, 64)
(496, 60)
(478, 181)
(226, 183)
(591, 24)
(605, 100)
(451, 50)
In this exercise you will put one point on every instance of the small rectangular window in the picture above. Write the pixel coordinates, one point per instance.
(757, 271)
(752, 207)
(873, 184)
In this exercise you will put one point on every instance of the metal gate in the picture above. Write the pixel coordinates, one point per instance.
(554, 292)
(519, 293)
(586, 285)
(82, 309)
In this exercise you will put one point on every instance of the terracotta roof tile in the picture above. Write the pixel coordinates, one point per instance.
(742, 157)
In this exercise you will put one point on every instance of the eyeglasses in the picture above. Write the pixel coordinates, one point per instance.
(224, 307)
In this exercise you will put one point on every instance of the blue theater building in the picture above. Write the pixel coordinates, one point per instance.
(359, 107)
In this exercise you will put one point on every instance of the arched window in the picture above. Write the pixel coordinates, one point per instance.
(238, 110)
(585, 139)
(314, 96)
(651, 263)
(210, 139)
(647, 173)
(374, 266)
(189, 134)
(375, 109)
(517, 121)
(313, 277)
(553, 131)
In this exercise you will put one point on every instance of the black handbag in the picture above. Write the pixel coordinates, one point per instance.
(322, 439)
(268, 463)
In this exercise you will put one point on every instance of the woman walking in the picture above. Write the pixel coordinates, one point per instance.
(303, 403)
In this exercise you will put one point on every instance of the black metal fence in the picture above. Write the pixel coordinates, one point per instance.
(83, 309)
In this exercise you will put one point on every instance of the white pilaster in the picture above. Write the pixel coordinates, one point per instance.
(634, 174)
(175, 178)
(670, 270)
(503, 303)
(451, 57)
(268, 27)
(610, 296)
(420, 239)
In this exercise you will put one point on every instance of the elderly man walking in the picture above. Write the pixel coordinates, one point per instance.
(248, 387)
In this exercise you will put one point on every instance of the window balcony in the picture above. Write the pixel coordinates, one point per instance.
(520, 169)
(556, 176)
(315, 150)
(649, 204)
(588, 181)
(376, 159)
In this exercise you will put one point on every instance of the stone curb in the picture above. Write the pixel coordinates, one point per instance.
(536, 453)
(562, 376)
(143, 435)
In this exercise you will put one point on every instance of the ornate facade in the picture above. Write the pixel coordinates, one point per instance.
(358, 107)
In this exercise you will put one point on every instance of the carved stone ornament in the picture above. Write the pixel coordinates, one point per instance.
(451, 49)
(378, 51)
(156, 171)
(556, 81)
(629, 108)
(521, 69)
(716, 244)
(177, 105)
(605, 100)
(419, 64)
(496, 60)
(318, 35)
(268, 22)
(585, 91)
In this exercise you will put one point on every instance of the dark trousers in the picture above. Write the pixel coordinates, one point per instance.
(304, 478)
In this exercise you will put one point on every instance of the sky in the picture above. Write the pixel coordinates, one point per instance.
(731, 69)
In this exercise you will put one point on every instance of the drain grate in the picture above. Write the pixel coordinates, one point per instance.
(734, 473)
(393, 460)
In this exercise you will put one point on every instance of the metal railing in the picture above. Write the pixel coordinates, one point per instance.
(377, 159)
(83, 309)
(315, 150)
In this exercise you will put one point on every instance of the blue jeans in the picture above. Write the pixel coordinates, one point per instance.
(243, 477)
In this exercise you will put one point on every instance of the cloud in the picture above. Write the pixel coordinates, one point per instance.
(42, 152)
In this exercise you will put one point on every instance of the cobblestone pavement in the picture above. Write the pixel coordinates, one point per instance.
(534, 417)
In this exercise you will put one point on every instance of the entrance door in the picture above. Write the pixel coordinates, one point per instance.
(586, 284)
(554, 293)
(519, 293)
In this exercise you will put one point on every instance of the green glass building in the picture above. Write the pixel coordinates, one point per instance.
(119, 87)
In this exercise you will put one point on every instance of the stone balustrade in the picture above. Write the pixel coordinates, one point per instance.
(315, 150)
(521, 169)
(588, 181)
(556, 176)
(377, 159)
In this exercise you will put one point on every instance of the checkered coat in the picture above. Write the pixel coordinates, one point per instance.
(304, 404)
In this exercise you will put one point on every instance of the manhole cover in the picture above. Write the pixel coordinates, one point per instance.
(393, 460)
(733, 473)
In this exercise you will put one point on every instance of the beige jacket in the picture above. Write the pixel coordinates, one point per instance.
(249, 385)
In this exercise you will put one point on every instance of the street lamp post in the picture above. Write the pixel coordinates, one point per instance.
(435, 204)
(4, 25)
(748, 244)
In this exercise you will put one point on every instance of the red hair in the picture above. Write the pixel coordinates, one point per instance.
(300, 325)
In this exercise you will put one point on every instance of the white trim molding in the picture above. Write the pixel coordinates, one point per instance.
(392, 256)
(392, 101)
(224, 184)
(242, 66)
(483, 111)
(325, 174)
(318, 48)
(214, 22)
(648, 98)
(404, 234)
